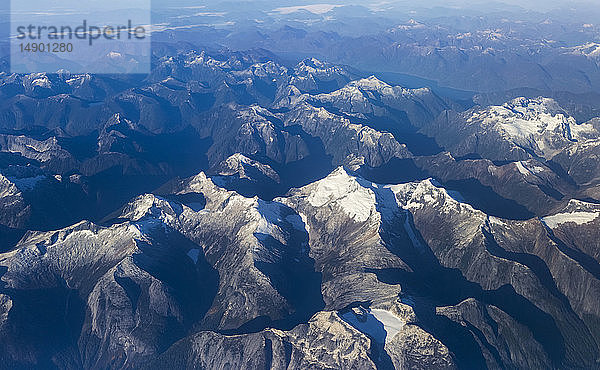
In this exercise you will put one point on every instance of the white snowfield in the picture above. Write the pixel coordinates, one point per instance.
(526, 170)
(345, 191)
(579, 218)
(355, 91)
(540, 125)
(391, 323)
(381, 325)
(358, 198)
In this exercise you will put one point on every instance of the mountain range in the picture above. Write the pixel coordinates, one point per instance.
(247, 206)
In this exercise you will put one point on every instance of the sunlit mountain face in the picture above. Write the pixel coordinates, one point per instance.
(303, 185)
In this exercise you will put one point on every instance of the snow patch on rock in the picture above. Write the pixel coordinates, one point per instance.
(540, 124)
(381, 325)
(579, 218)
(345, 191)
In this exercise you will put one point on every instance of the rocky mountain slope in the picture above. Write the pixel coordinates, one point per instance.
(410, 274)
(232, 210)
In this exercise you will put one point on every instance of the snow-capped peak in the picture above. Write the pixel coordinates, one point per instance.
(345, 191)
(410, 25)
(370, 83)
(539, 125)
(371, 88)
(429, 193)
(308, 72)
(37, 80)
(153, 206)
(199, 183)
(240, 164)
(360, 199)
(313, 65)
(252, 113)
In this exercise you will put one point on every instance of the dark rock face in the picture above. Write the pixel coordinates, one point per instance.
(500, 337)
(522, 188)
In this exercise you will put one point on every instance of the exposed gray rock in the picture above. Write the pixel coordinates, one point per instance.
(216, 266)
(16, 211)
(530, 184)
(515, 131)
(502, 339)
(48, 152)
(325, 342)
(344, 140)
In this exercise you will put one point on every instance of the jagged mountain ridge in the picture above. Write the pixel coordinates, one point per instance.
(381, 235)
(493, 264)
(194, 112)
